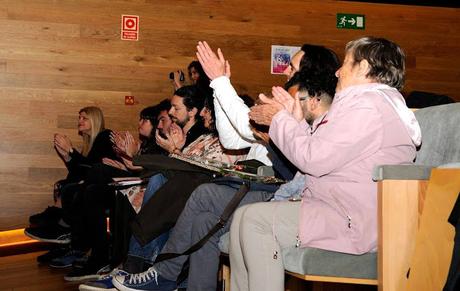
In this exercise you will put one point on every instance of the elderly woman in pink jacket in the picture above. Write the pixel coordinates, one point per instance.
(368, 124)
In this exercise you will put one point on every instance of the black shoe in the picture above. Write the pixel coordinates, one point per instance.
(80, 262)
(52, 234)
(50, 216)
(90, 271)
(67, 260)
(52, 254)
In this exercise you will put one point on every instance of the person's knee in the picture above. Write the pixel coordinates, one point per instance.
(203, 193)
(239, 213)
(158, 178)
(254, 218)
(203, 222)
(252, 211)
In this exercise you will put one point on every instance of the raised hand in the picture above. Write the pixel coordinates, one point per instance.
(62, 143)
(64, 154)
(263, 113)
(290, 103)
(119, 140)
(132, 145)
(178, 83)
(213, 65)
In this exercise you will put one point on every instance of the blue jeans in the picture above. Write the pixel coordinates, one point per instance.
(155, 182)
(150, 251)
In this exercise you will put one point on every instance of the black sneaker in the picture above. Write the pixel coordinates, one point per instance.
(80, 262)
(52, 234)
(88, 272)
(52, 254)
(50, 216)
(67, 260)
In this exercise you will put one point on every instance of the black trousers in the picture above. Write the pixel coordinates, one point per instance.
(90, 208)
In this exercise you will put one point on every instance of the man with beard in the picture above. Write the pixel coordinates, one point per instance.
(186, 105)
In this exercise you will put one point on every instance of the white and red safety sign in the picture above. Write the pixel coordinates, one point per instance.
(130, 27)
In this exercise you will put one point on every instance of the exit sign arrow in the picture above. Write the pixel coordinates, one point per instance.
(350, 21)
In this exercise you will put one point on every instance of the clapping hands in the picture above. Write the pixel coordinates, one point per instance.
(175, 138)
(63, 145)
(124, 143)
(213, 65)
(263, 114)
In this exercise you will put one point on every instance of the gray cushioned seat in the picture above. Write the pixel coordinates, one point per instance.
(323, 263)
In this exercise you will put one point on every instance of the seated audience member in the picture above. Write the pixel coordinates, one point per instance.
(301, 62)
(196, 76)
(151, 118)
(186, 105)
(96, 146)
(232, 120)
(208, 201)
(96, 197)
(368, 124)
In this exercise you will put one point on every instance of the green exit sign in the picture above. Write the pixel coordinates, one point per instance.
(350, 21)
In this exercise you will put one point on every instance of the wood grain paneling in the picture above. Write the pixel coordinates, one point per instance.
(59, 56)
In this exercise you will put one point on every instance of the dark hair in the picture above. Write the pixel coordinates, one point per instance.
(203, 80)
(192, 97)
(386, 59)
(209, 104)
(151, 113)
(317, 71)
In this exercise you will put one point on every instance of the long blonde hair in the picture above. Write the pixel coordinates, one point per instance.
(96, 119)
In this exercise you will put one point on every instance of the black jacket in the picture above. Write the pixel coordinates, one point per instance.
(102, 148)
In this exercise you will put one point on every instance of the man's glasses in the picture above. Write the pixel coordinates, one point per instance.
(303, 97)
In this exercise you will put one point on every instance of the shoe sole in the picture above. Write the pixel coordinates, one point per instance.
(60, 266)
(83, 278)
(56, 241)
(84, 287)
(120, 286)
(104, 271)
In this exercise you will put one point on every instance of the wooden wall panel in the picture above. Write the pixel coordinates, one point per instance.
(59, 56)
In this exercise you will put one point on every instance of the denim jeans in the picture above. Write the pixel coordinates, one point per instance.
(150, 251)
(155, 182)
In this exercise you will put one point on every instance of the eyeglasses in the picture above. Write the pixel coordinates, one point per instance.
(303, 98)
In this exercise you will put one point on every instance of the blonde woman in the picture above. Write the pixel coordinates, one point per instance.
(52, 225)
(96, 143)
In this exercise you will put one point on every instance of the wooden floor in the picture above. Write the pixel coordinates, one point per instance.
(22, 272)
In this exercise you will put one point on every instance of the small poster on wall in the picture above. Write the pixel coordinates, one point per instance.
(130, 27)
(281, 57)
